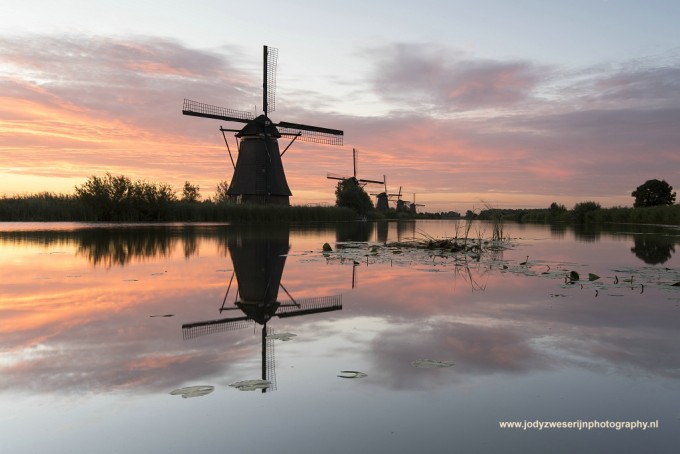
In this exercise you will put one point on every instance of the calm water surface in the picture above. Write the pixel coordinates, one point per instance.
(99, 324)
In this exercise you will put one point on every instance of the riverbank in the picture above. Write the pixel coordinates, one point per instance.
(589, 214)
(48, 207)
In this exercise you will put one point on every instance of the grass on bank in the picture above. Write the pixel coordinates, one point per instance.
(47, 207)
(590, 213)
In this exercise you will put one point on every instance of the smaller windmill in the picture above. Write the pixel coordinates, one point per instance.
(353, 178)
(382, 198)
(401, 204)
(413, 205)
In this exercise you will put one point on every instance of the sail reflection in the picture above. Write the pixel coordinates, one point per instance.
(258, 258)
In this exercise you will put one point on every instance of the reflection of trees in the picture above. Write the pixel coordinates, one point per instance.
(121, 245)
(558, 231)
(354, 231)
(588, 233)
(653, 250)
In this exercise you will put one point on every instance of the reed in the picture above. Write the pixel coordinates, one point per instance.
(55, 208)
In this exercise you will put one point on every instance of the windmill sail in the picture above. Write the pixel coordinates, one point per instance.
(269, 79)
(308, 133)
(200, 109)
(193, 330)
(358, 181)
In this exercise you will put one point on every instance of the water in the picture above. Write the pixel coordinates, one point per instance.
(101, 323)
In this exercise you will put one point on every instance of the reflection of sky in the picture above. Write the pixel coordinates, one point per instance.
(79, 341)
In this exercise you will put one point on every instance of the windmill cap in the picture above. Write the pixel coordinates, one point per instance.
(258, 126)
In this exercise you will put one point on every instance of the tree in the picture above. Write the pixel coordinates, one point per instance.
(190, 192)
(350, 195)
(221, 195)
(652, 193)
(581, 209)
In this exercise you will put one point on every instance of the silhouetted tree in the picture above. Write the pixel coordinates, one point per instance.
(581, 209)
(350, 195)
(652, 193)
(221, 192)
(117, 198)
(190, 192)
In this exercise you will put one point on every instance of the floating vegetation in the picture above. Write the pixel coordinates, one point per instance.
(130, 280)
(193, 391)
(162, 315)
(285, 337)
(327, 247)
(474, 258)
(351, 374)
(251, 385)
(431, 364)
(424, 250)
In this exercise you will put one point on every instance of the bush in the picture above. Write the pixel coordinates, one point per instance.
(582, 210)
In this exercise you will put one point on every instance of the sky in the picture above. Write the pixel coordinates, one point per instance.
(464, 105)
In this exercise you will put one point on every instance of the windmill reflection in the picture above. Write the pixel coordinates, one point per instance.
(258, 258)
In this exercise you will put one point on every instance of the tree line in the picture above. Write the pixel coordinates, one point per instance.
(117, 198)
(654, 204)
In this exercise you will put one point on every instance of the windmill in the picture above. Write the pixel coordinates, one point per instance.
(258, 262)
(258, 171)
(401, 204)
(382, 198)
(353, 178)
(413, 205)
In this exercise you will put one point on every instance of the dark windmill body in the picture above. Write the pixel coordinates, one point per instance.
(258, 172)
(383, 198)
(413, 207)
(401, 204)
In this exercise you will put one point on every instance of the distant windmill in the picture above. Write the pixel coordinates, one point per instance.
(401, 204)
(413, 205)
(382, 198)
(357, 181)
(258, 172)
(258, 266)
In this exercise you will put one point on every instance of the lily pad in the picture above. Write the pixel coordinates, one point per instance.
(431, 363)
(351, 374)
(593, 277)
(573, 276)
(327, 247)
(251, 385)
(193, 391)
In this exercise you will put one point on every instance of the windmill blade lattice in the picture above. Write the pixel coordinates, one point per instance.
(271, 55)
(200, 109)
(312, 134)
(197, 329)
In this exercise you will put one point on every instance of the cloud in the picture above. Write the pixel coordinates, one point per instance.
(434, 77)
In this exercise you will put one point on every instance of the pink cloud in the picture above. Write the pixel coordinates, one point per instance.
(433, 76)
